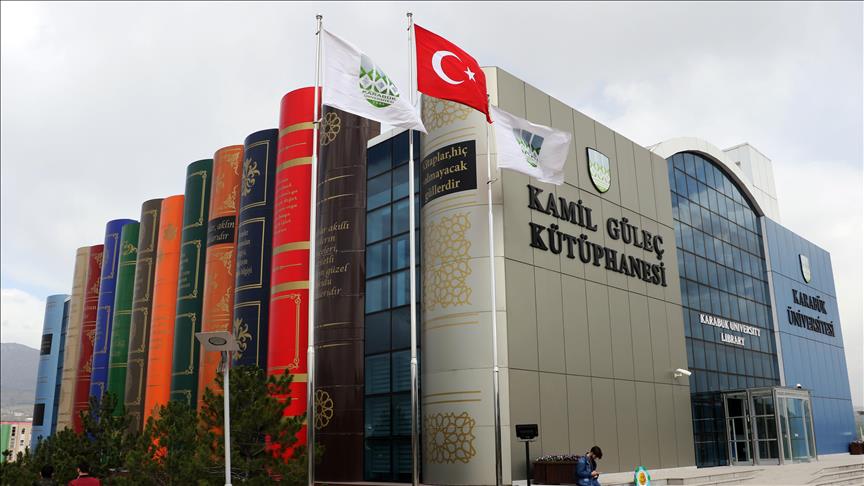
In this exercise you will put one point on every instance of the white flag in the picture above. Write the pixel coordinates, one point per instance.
(354, 83)
(531, 149)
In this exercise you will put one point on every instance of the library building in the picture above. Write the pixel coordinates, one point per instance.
(653, 305)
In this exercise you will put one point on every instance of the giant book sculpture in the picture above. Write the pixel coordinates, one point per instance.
(289, 272)
(339, 295)
(58, 380)
(72, 349)
(161, 342)
(46, 375)
(218, 305)
(81, 397)
(122, 314)
(105, 312)
(190, 283)
(142, 308)
(254, 247)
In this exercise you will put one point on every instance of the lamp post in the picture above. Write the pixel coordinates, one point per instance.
(223, 342)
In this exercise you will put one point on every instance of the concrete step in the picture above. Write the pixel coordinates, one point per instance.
(836, 476)
(845, 467)
(856, 479)
(713, 478)
(714, 481)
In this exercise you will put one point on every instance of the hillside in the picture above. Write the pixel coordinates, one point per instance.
(18, 367)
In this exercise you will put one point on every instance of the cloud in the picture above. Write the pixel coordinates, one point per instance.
(21, 317)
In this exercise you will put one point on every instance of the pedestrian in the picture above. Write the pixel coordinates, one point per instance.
(45, 477)
(84, 477)
(586, 468)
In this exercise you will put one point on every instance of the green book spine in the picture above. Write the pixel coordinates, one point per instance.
(122, 313)
(190, 283)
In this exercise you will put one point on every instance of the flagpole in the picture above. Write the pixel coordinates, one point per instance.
(496, 401)
(412, 259)
(313, 221)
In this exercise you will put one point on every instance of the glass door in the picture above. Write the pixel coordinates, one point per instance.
(738, 428)
(796, 425)
(766, 448)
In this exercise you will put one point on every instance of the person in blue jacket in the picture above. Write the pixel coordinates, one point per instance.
(586, 468)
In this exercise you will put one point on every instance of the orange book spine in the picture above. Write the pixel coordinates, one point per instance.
(218, 303)
(161, 343)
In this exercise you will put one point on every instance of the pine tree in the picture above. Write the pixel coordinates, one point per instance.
(260, 433)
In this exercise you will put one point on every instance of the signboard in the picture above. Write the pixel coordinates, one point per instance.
(449, 169)
(728, 337)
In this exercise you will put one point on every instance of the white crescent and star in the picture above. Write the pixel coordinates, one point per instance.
(438, 57)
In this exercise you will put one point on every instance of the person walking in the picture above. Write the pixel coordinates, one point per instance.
(586, 468)
(84, 477)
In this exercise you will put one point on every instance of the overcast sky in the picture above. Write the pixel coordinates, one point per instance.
(103, 105)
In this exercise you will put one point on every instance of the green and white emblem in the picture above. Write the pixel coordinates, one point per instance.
(530, 144)
(598, 168)
(376, 87)
(805, 268)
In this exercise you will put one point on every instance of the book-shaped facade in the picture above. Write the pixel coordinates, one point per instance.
(339, 293)
(254, 247)
(72, 348)
(46, 376)
(142, 302)
(105, 311)
(161, 343)
(81, 397)
(190, 282)
(289, 272)
(218, 304)
(119, 349)
(58, 380)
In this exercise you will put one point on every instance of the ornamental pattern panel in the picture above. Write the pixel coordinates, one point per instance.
(438, 113)
(446, 251)
(449, 438)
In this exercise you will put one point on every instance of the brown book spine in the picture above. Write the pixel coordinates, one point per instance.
(73, 340)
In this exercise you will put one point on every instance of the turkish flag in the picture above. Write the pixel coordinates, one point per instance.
(445, 71)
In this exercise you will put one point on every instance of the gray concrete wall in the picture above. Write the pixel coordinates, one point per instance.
(590, 352)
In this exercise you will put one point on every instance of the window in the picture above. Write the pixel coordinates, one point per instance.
(722, 272)
(388, 324)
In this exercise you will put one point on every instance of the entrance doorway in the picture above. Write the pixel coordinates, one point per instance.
(769, 426)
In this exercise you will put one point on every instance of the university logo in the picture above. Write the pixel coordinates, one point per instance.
(598, 168)
(530, 144)
(805, 268)
(376, 87)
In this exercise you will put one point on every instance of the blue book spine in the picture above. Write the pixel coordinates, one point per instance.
(254, 247)
(58, 381)
(49, 354)
(105, 309)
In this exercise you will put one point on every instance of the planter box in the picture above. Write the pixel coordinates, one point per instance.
(554, 472)
(856, 448)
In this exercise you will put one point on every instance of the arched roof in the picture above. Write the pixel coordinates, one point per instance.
(697, 145)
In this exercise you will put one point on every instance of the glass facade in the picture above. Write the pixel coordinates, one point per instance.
(388, 325)
(721, 262)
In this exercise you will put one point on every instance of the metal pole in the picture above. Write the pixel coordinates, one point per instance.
(313, 222)
(496, 403)
(412, 259)
(527, 463)
(226, 368)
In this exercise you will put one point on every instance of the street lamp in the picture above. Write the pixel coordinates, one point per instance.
(223, 342)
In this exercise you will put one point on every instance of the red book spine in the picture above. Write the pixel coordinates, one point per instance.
(88, 336)
(289, 297)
